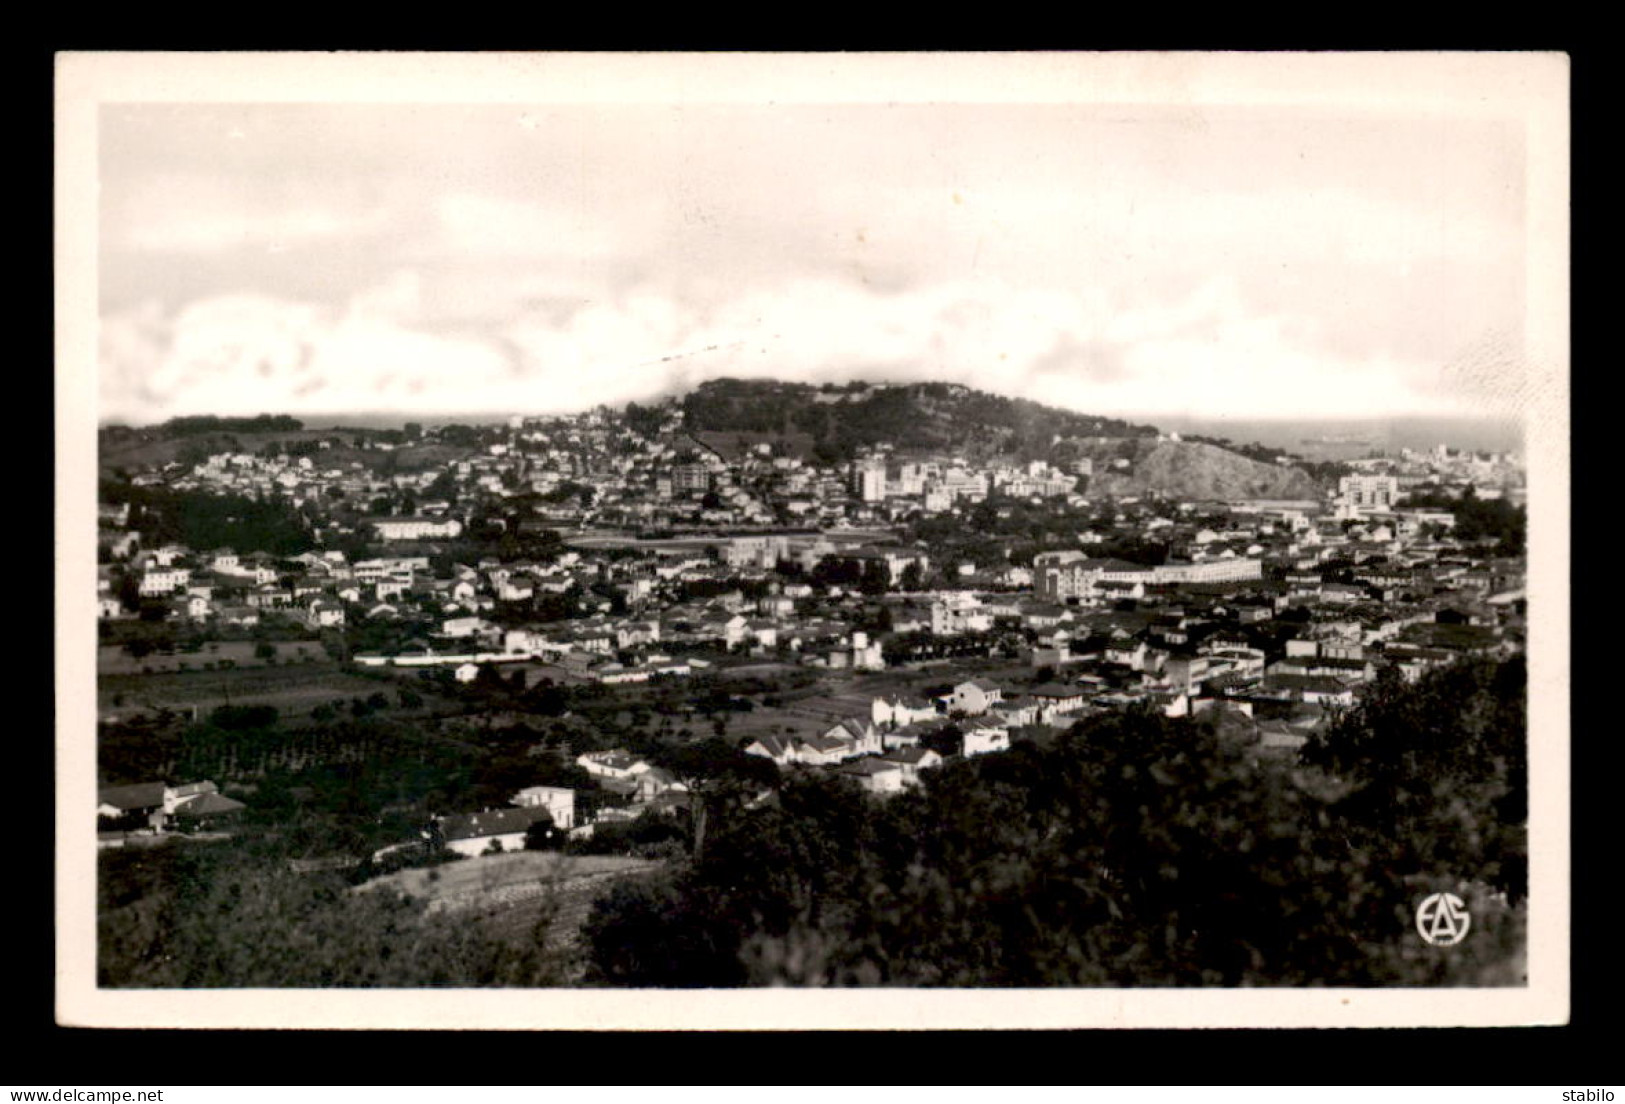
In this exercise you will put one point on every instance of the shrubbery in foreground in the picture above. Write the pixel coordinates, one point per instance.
(1136, 851)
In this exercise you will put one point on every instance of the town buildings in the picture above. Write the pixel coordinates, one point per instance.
(585, 552)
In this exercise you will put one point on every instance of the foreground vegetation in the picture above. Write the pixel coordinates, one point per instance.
(235, 914)
(1135, 851)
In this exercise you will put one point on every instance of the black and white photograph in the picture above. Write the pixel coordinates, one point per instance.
(764, 540)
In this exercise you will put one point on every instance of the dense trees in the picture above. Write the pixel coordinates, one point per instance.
(1002, 531)
(917, 416)
(542, 835)
(1136, 850)
(719, 779)
(644, 420)
(207, 521)
(1478, 519)
(203, 424)
(1437, 773)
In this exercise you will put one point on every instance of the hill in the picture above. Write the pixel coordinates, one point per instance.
(1187, 469)
(833, 423)
(841, 420)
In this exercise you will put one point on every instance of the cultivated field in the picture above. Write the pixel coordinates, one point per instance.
(293, 690)
(764, 722)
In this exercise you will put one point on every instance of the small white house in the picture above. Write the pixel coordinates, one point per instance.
(973, 697)
(980, 739)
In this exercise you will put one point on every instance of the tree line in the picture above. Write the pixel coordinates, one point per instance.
(202, 424)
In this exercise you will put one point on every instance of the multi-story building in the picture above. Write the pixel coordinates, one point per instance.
(869, 480)
(960, 483)
(1229, 570)
(688, 478)
(1063, 576)
(958, 612)
(157, 582)
(559, 801)
(1364, 494)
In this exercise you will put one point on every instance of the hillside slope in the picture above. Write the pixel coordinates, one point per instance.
(1187, 469)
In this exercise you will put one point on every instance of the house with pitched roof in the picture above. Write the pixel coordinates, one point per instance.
(973, 697)
(826, 750)
(876, 776)
(156, 806)
(477, 833)
(780, 749)
(1311, 689)
(618, 764)
(1056, 700)
(656, 783)
(863, 734)
(911, 761)
(204, 811)
(324, 613)
(1348, 670)
(900, 710)
(141, 805)
(1018, 710)
(1130, 653)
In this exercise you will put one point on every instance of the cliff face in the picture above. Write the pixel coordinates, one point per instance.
(1187, 469)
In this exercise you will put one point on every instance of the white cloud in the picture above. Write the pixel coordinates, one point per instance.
(253, 354)
(1206, 352)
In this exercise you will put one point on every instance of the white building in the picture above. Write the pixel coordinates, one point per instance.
(160, 581)
(1358, 495)
(985, 737)
(959, 612)
(559, 801)
(869, 480)
(415, 528)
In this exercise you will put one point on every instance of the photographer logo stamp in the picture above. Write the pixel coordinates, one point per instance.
(1442, 919)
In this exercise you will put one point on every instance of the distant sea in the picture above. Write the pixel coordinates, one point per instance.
(1351, 438)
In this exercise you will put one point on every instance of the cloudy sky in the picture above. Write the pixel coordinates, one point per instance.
(1133, 260)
